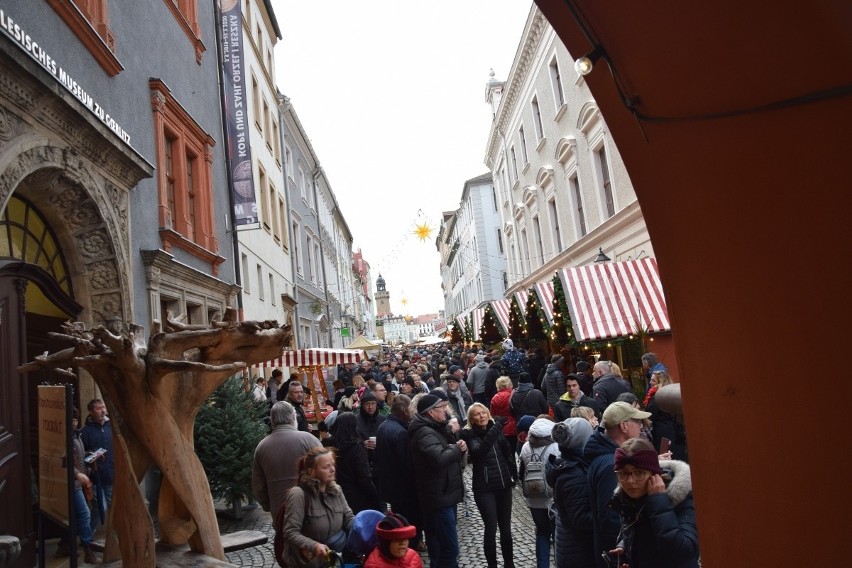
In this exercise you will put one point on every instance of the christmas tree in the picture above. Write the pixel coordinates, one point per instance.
(534, 330)
(488, 332)
(455, 334)
(516, 330)
(228, 428)
(468, 329)
(562, 330)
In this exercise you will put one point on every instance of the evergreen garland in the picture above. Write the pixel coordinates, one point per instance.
(516, 330)
(228, 428)
(562, 330)
(456, 334)
(488, 332)
(534, 331)
(468, 329)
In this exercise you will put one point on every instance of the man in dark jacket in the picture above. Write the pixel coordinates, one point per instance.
(621, 422)
(495, 371)
(554, 381)
(438, 460)
(526, 400)
(587, 381)
(96, 435)
(573, 398)
(607, 386)
(394, 466)
(476, 379)
(295, 395)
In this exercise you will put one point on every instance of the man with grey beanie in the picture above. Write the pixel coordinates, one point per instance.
(574, 542)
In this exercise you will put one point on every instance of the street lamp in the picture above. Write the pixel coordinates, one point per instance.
(601, 256)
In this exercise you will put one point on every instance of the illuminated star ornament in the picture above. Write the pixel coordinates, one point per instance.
(404, 301)
(422, 230)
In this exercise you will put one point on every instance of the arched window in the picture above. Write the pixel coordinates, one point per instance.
(25, 236)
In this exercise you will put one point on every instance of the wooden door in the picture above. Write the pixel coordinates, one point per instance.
(16, 508)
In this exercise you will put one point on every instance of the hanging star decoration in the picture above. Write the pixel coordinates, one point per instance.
(422, 230)
(404, 301)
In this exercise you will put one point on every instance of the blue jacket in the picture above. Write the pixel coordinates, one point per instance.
(96, 436)
(599, 453)
(574, 542)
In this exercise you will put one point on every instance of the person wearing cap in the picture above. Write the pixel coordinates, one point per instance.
(458, 400)
(654, 501)
(566, 474)
(394, 533)
(513, 360)
(438, 461)
(369, 420)
(539, 446)
(459, 372)
(621, 421)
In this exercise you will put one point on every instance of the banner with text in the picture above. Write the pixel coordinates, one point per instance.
(53, 459)
(239, 148)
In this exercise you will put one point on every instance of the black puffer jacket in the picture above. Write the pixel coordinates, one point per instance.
(554, 384)
(574, 543)
(437, 464)
(494, 465)
(354, 477)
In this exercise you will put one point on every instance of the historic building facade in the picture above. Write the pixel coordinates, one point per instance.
(470, 242)
(562, 189)
(112, 193)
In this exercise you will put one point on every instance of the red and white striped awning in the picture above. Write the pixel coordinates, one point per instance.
(460, 322)
(476, 317)
(315, 357)
(614, 299)
(544, 291)
(521, 296)
(501, 310)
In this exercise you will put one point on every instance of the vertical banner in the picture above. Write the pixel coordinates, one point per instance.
(54, 460)
(236, 106)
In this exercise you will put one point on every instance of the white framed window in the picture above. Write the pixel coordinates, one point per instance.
(272, 289)
(525, 242)
(539, 253)
(523, 141)
(265, 212)
(288, 161)
(607, 199)
(554, 223)
(500, 240)
(260, 282)
(577, 204)
(297, 249)
(318, 261)
(536, 111)
(556, 83)
(514, 163)
(244, 262)
(303, 185)
(309, 248)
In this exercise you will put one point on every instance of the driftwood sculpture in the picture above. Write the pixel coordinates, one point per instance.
(153, 392)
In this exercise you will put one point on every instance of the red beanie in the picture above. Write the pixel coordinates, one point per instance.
(395, 527)
(640, 459)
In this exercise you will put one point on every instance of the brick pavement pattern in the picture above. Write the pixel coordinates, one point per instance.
(469, 528)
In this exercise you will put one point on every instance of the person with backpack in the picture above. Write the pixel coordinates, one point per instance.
(494, 474)
(535, 453)
(315, 518)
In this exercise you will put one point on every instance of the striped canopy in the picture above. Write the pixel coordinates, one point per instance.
(544, 291)
(501, 310)
(614, 299)
(315, 357)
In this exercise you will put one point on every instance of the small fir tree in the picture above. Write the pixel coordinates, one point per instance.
(468, 329)
(516, 330)
(535, 333)
(456, 334)
(488, 332)
(228, 428)
(562, 330)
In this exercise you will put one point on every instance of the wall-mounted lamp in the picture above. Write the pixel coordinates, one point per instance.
(585, 64)
(601, 256)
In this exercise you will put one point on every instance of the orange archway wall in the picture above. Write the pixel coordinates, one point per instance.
(749, 216)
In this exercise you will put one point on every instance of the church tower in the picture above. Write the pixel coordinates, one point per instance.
(382, 298)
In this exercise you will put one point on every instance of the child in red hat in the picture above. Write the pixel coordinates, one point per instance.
(394, 532)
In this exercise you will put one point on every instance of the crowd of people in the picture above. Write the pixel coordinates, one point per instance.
(603, 468)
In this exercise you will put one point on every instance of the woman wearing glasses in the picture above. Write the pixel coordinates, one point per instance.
(654, 500)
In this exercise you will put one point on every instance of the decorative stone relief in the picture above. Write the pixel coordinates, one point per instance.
(11, 125)
(102, 274)
(94, 244)
(106, 307)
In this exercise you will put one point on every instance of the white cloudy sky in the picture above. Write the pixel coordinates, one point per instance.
(392, 96)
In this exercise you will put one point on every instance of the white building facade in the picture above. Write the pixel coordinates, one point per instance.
(563, 191)
(472, 249)
(265, 265)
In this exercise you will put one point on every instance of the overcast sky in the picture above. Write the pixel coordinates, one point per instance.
(392, 95)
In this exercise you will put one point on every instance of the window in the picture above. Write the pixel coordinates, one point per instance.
(554, 222)
(527, 253)
(264, 199)
(276, 143)
(272, 289)
(185, 203)
(273, 212)
(606, 182)
(539, 133)
(539, 253)
(303, 186)
(259, 269)
(318, 261)
(89, 21)
(523, 145)
(494, 195)
(268, 124)
(282, 215)
(186, 14)
(296, 250)
(245, 266)
(514, 163)
(500, 240)
(579, 215)
(556, 82)
(309, 247)
(255, 91)
(288, 161)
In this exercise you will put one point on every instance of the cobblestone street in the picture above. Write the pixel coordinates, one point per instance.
(469, 528)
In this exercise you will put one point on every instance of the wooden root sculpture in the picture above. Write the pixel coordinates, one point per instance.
(153, 393)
